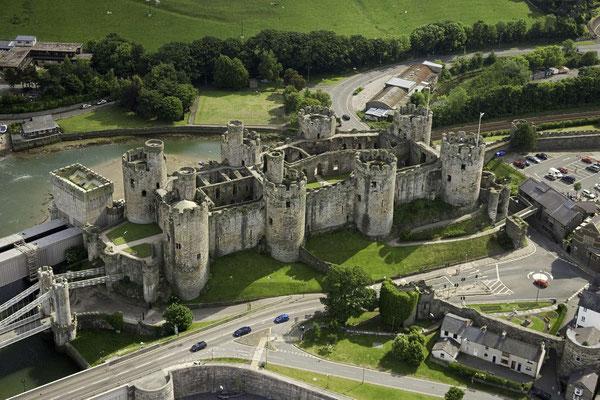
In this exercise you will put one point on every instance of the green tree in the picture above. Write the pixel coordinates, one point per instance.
(589, 58)
(73, 84)
(170, 109)
(293, 78)
(491, 58)
(454, 393)
(395, 306)
(347, 292)
(457, 100)
(409, 348)
(177, 315)
(569, 48)
(418, 98)
(524, 137)
(230, 73)
(12, 77)
(577, 186)
(149, 103)
(268, 67)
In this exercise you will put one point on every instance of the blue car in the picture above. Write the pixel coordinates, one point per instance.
(198, 346)
(282, 318)
(244, 330)
(500, 153)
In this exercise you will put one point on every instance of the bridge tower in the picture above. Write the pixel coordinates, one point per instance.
(46, 278)
(64, 325)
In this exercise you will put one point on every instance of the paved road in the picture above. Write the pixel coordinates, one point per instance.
(341, 93)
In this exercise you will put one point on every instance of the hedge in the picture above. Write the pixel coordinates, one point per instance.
(568, 123)
(473, 373)
(562, 313)
(394, 306)
(115, 320)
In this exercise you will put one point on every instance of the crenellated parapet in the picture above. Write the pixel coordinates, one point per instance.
(240, 147)
(413, 123)
(315, 123)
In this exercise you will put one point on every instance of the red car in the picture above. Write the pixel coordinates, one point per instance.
(587, 160)
(541, 283)
(519, 164)
(563, 170)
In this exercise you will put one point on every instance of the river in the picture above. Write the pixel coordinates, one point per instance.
(24, 198)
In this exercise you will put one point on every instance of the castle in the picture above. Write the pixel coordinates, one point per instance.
(278, 195)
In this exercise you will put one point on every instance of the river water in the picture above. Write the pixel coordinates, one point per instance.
(24, 188)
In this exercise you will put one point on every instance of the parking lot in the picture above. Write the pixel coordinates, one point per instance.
(571, 161)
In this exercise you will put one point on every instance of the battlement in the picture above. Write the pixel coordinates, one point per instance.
(154, 146)
(187, 173)
(462, 138)
(316, 112)
(376, 162)
(413, 110)
(235, 126)
(316, 122)
(294, 184)
(462, 146)
(80, 179)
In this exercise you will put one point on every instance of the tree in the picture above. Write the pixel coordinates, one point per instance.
(347, 292)
(524, 137)
(409, 348)
(230, 73)
(569, 48)
(149, 103)
(577, 186)
(177, 315)
(395, 306)
(454, 393)
(589, 58)
(418, 98)
(491, 58)
(170, 109)
(268, 67)
(292, 77)
(12, 77)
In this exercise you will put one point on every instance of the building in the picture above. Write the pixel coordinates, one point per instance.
(588, 313)
(556, 214)
(581, 385)
(24, 50)
(457, 335)
(39, 126)
(585, 244)
(581, 351)
(17, 58)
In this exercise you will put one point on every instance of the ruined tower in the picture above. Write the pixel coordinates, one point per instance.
(413, 123)
(240, 148)
(316, 123)
(462, 165)
(273, 167)
(375, 179)
(144, 171)
(63, 325)
(285, 211)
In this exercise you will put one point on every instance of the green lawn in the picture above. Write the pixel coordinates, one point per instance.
(348, 387)
(187, 20)
(504, 307)
(380, 260)
(575, 128)
(128, 232)
(221, 106)
(538, 322)
(249, 274)
(141, 250)
(503, 170)
(457, 229)
(111, 118)
(329, 179)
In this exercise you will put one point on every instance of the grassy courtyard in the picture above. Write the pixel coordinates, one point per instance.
(249, 274)
(111, 118)
(141, 250)
(187, 20)
(380, 260)
(328, 179)
(128, 232)
(347, 387)
(262, 108)
(503, 170)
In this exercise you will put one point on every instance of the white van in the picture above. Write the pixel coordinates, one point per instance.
(556, 173)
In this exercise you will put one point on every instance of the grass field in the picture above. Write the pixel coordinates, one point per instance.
(380, 260)
(503, 170)
(141, 250)
(249, 274)
(187, 20)
(262, 108)
(348, 387)
(110, 118)
(575, 128)
(128, 232)
(508, 307)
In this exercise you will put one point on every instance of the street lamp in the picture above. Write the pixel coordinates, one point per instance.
(479, 126)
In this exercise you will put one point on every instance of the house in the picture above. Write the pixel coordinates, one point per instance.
(581, 385)
(458, 335)
(36, 127)
(585, 244)
(556, 214)
(24, 50)
(588, 313)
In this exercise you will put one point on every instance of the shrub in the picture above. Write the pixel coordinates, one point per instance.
(177, 315)
(75, 254)
(562, 313)
(394, 306)
(115, 320)
(454, 393)
(410, 348)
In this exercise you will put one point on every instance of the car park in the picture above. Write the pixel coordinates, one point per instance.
(587, 160)
(500, 153)
(533, 159)
(587, 193)
(568, 179)
(198, 346)
(527, 163)
(597, 186)
(281, 318)
(519, 164)
(542, 156)
(541, 283)
(563, 170)
(554, 172)
(84, 106)
(244, 330)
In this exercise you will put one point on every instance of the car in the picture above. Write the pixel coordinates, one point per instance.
(346, 117)
(542, 156)
(587, 160)
(541, 283)
(282, 318)
(198, 346)
(519, 164)
(587, 193)
(500, 153)
(597, 186)
(244, 330)
(568, 179)
(563, 170)
(593, 168)
(100, 102)
(84, 106)
(540, 394)
(533, 159)
(527, 163)
(550, 177)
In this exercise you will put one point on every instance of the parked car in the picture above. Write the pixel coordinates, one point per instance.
(541, 283)
(519, 164)
(593, 168)
(198, 346)
(568, 179)
(346, 117)
(282, 318)
(500, 153)
(540, 394)
(542, 156)
(244, 330)
(588, 160)
(533, 159)
(527, 163)
(550, 177)
(84, 106)
(100, 102)
(563, 170)
(597, 186)
(587, 193)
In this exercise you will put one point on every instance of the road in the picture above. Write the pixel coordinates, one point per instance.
(341, 93)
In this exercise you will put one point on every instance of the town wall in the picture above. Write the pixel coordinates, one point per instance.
(576, 140)
(330, 207)
(236, 228)
(576, 356)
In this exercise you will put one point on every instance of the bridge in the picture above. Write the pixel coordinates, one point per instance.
(46, 305)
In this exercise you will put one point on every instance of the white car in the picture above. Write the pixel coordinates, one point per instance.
(597, 186)
(84, 106)
(588, 194)
(100, 102)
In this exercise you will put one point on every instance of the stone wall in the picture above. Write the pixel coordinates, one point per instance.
(330, 207)
(576, 140)
(35, 142)
(236, 228)
(354, 141)
(136, 269)
(576, 356)
(324, 164)
(308, 258)
(418, 182)
(93, 320)
(74, 355)
(516, 229)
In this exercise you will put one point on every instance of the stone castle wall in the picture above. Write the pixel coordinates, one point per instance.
(413, 123)
(330, 207)
(236, 228)
(418, 182)
(576, 356)
(360, 141)
(316, 123)
(325, 164)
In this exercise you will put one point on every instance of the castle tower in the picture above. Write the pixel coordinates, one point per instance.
(240, 148)
(316, 123)
(274, 161)
(375, 177)
(462, 165)
(46, 278)
(185, 184)
(63, 325)
(285, 215)
(144, 171)
(186, 246)
(413, 123)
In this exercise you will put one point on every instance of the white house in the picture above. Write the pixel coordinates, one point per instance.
(588, 313)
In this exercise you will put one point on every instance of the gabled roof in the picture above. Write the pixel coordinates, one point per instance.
(557, 205)
(589, 207)
(587, 378)
(36, 124)
(454, 324)
(448, 345)
(590, 300)
(502, 343)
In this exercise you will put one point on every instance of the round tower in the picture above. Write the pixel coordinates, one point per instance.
(462, 165)
(375, 180)
(413, 123)
(185, 184)
(285, 215)
(186, 247)
(316, 123)
(144, 171)
(240, 148)
(274, 166)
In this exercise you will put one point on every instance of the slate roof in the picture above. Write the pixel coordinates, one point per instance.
(447, 345)
(589, 207)
(587, 378)
(590, 300)
(25, 37)
(454, 324)
(557, 205)
(36, 124)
